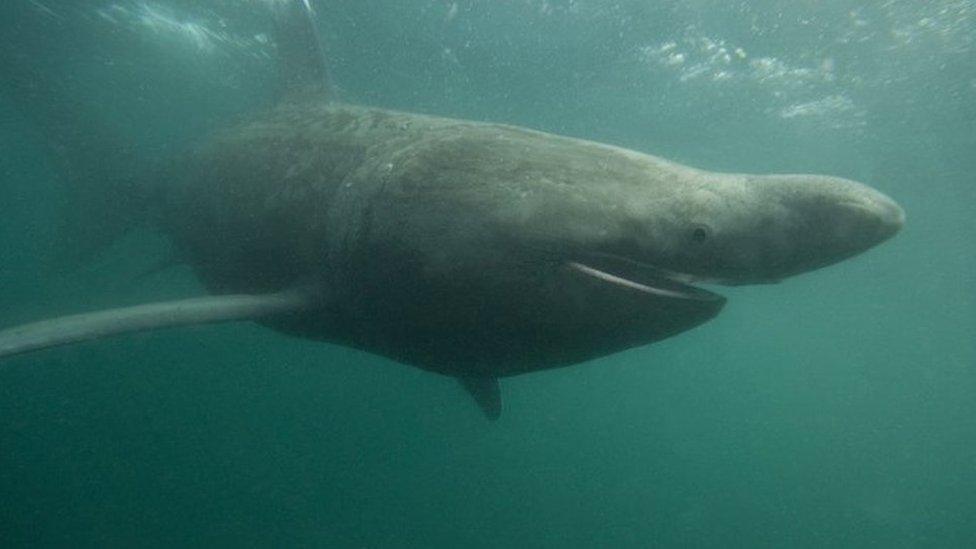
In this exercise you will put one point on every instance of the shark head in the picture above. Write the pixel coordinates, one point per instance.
(648, 225)
(737, 229)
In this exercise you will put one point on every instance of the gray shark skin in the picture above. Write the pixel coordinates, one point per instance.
(471, 249)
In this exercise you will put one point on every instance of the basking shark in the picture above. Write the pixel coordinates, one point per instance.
(470, 249)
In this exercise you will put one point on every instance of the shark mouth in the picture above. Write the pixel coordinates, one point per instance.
(647, 279)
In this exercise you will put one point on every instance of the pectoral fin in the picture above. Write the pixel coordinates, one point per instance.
(152, 316)
(486, 393)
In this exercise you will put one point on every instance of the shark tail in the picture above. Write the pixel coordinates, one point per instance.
(106, 184)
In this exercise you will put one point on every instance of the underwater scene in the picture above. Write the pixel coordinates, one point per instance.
(487, 273)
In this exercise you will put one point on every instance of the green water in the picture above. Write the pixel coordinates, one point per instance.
(837, 409)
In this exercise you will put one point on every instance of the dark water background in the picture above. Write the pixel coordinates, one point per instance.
(834, 409)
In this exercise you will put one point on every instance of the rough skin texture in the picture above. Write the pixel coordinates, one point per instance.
(439, 243)
(448, 244)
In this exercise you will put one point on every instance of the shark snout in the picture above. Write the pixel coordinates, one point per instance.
(878, 216)
(891, 216)
(822, 220)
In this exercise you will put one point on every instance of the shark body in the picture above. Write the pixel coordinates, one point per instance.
(470, 249)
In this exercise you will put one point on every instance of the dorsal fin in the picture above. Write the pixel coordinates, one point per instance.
(301, 57)
(152, 316)
(486, 393)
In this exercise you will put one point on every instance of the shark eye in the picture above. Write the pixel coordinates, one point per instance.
(700, 234)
